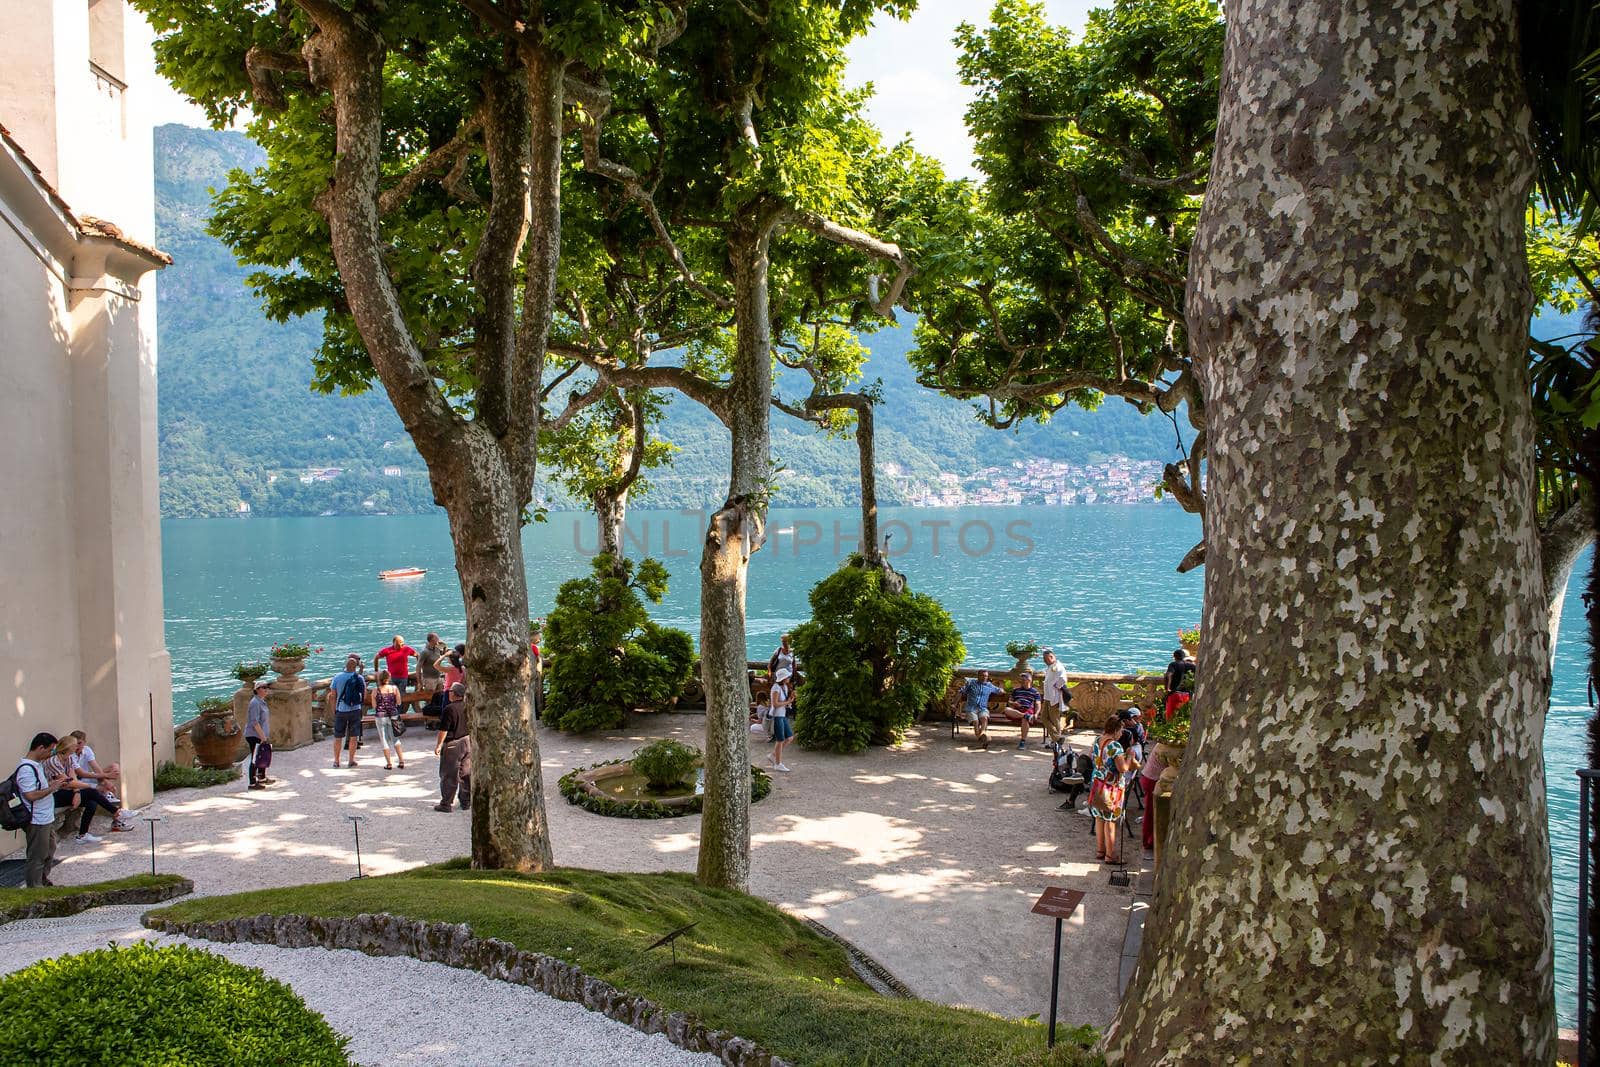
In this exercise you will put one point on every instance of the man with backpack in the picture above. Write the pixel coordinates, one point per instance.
(37, 792)
(1180, 681)
(348, 692)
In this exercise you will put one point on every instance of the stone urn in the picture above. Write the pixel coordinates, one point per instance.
(287, 668)
(1172, 756)
(216, 738)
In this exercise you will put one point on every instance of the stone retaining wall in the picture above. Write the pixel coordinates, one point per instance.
(71, 904)
(454, 945)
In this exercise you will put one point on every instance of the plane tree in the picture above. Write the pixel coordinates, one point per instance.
(411, 196)
(739, 141)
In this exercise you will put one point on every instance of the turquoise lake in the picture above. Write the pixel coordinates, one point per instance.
(1095, 583)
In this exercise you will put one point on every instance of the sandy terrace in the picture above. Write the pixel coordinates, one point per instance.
(928, 856)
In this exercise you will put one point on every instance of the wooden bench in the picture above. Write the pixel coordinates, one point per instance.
(997, 715)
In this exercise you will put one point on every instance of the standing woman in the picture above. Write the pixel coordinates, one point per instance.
(781, 699)
(385, 706)
(1105, 795)
(256, 730)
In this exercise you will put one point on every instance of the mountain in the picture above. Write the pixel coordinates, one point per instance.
(239, 422)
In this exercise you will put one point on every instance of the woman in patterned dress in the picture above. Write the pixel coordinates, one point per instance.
(1105, 795)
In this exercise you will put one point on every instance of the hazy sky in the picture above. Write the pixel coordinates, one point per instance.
(912, 64)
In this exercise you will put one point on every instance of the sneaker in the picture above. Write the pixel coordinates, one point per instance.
(258, 785)
(783, 767)
(1022, 744)
(122, 828)
(89, 839)
(442, 807)
(1068, 805)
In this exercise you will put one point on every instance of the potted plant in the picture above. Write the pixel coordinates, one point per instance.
(247, 673)
(289, 657)
(1172, 738)
(217, 738)
(1022, 651)
(1189, 639)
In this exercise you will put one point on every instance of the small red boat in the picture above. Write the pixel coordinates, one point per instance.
(402, 572)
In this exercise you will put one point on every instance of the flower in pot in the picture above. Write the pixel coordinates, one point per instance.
(1172, 735)
(1189, 638)
(1022, 651)
(665, 765)
(289, 657)
(247, 673)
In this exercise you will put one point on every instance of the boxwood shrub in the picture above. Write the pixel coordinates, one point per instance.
(147, 1005)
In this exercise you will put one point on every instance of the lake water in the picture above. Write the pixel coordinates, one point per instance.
(1094, 583)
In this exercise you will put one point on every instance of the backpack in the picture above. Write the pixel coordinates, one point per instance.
(354, 691)
(15, 812)
(1185, 677)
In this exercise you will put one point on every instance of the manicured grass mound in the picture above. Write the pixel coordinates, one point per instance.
(19, 903)
(746, 967)
(144, 1005)
(171, 776)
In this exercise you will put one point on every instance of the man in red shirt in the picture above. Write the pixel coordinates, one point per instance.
(395, 661)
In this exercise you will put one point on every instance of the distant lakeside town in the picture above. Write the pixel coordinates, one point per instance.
(1035, 482)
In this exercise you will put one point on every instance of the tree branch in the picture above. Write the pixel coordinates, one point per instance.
(450, 154)
(882, 304)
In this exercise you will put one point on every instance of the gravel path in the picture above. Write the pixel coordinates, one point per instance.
(398, 1012)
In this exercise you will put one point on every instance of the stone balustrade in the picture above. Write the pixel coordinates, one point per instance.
(1094, 696)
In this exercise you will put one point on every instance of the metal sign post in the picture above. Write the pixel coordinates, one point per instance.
(152, 820)
(355, 823)
(1057, 903)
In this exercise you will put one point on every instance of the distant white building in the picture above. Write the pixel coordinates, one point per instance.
(394, 472)
(82, 643)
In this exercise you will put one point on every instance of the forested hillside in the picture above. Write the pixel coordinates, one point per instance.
(239, 422)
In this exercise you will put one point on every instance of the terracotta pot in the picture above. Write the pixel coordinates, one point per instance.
(287, 668)
(1021, 665)
(216, 738)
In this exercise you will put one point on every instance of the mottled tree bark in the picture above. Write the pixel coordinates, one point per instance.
(1358, 868)
(735, 531)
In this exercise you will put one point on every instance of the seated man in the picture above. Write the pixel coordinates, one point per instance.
(106, 779)
(1023, 706)
(975, 699)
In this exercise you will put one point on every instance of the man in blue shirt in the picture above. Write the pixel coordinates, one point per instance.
(348, 691)
(975, 698)
(1023, 706)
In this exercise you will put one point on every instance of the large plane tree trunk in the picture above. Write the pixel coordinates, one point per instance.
(1358, 866)
(735, 531)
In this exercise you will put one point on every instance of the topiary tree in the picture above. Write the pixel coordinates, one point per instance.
(873, 658)
(158, 1005)
(606, 657)
(665, 764)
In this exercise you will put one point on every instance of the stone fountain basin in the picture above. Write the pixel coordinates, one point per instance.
(606, 782)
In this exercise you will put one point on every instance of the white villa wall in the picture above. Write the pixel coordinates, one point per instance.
(82, 641)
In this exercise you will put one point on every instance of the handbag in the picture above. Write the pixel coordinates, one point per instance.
(398, 725)
(263, 755)
(1100, 799)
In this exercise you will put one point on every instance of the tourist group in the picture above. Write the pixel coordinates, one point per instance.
(60, 773)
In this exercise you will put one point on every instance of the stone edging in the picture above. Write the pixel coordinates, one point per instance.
(869, 970)
(72, 903)
(454, 945)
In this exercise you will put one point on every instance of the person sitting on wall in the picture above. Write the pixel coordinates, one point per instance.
(1023, 706)
(975, 696)
(106, 779)
(396, 659)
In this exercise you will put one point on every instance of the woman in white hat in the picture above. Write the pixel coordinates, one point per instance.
(781, 700)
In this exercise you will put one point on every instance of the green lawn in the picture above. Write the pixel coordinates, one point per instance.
(746, 967)
(15, 898)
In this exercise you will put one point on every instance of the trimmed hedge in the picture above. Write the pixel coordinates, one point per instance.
(573, 790)
(146, 1005)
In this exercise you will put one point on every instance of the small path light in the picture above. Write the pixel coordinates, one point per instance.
(671, 939)
(152, 820)
(355, 824)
